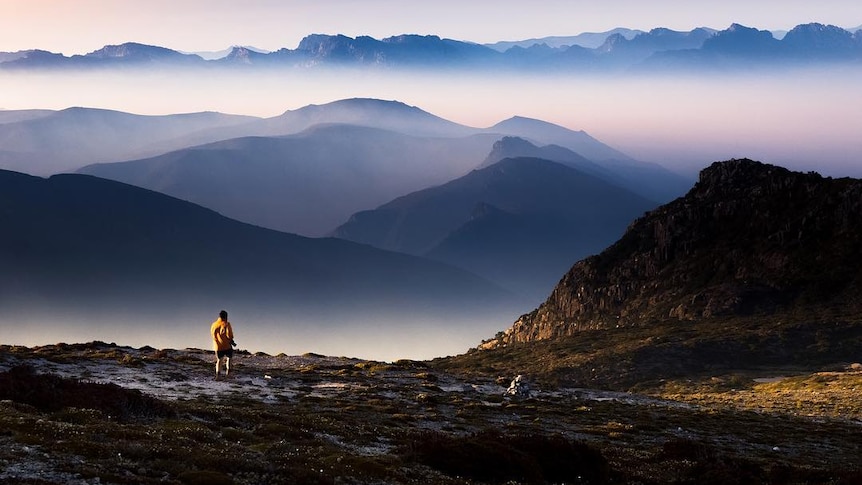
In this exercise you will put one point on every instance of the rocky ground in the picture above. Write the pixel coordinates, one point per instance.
(97, 413)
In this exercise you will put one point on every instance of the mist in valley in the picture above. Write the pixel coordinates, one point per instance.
(804, 119)
(382, 335)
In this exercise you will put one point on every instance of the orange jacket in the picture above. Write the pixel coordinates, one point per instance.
(222, 334)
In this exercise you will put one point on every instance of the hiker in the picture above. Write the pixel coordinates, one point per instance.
(222, 334)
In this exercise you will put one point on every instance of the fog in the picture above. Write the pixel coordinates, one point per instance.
(801, 119)
(382, 337)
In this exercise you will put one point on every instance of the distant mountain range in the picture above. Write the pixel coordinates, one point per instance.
(77, 247)
(305, 183)
(622, 49)
(350, 155)
(479, 199)
(648, 180)
(590, 40)
(43, 142)
(519, 222)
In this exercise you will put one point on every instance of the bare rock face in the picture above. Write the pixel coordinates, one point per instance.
(748, 239)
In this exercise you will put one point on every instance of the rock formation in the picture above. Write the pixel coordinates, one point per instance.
(748, 239)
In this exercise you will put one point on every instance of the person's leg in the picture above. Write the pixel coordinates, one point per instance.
(218, 364)
(226, 366)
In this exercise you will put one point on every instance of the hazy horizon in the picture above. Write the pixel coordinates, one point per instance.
(803, 119)
(86, 25)
(382, 337)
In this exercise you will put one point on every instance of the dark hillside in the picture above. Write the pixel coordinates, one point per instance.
(756, 265)
(519, 222)
(84, 246)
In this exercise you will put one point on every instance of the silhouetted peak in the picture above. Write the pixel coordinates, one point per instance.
(132, 49)
(749, 238)
(411, 39)
(523, 121)
(511, 143)
(612, 42)
(820, 37)
(326, 45)
(739, 39)
(736, 175)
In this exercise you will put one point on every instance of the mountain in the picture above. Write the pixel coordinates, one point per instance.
(744, 47)
(545, 133)
(14, 116)
(519, 222)
(821, 42)
(408, 50)
(754, 273)
(121, 55)
(82, 249)
(375, 113)
(646, 179)
(306, 183)
(590, 40)
(366, 150)
(399, 117)
(135, 53)
(31, 59)
(67, 140)
(615, 51)
(513, 146)
(236, 51)
(45, 142)
(627, 51)
(749, 240)
(649, 179)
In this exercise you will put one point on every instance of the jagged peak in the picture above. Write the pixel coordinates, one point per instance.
(404, 38)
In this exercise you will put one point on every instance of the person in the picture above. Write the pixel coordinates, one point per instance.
(222, 334)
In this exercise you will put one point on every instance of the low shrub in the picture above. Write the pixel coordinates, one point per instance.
(51, 393)
(493, 457)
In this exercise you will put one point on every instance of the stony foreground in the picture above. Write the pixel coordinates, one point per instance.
(99, 413)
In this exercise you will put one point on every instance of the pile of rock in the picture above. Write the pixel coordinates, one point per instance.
(518, 387)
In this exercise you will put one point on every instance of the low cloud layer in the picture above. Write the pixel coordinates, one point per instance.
(802, 119)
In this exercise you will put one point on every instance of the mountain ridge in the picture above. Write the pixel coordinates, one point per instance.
(723, 49)
(748, 239)
(518, 222)
(102, 256)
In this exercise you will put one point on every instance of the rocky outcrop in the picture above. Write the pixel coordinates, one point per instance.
(748, 239)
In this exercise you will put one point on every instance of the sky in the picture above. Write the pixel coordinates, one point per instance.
(806, 121)
(81, 26)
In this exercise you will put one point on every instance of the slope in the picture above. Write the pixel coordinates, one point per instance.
(518, 214)
(43, 143)
(755, 266)
(374, 113)
(82, 249)
(648, 180)
(653, 180)
(305, 183)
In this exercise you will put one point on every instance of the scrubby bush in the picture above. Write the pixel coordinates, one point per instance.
(492, 457)
(49, 392)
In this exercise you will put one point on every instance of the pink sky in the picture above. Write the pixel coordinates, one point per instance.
(80, 26)
(805, 120)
